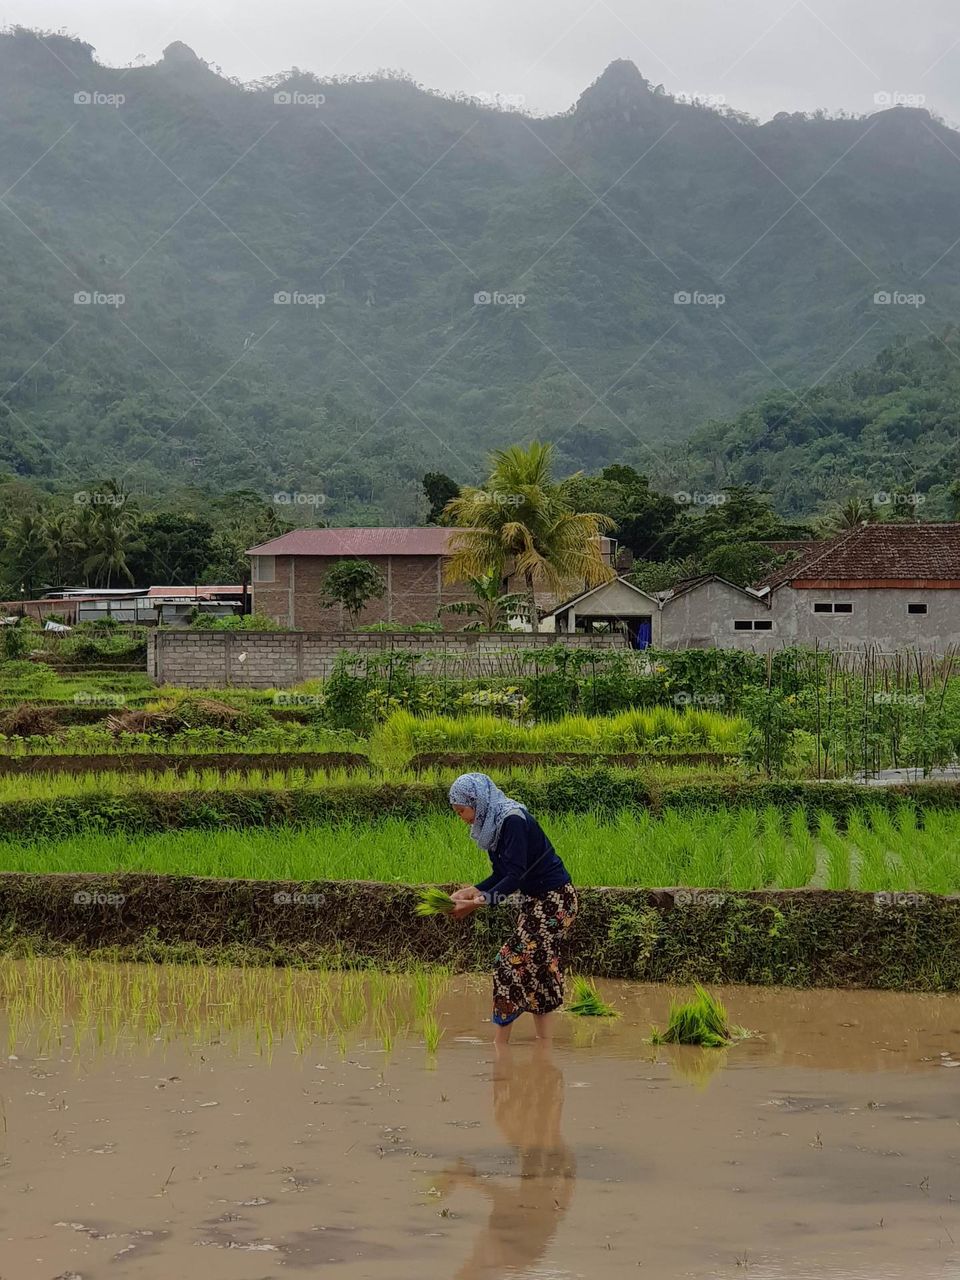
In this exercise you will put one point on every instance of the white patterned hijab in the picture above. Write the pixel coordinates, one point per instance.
(477, 791)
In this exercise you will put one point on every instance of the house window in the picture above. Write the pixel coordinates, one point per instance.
(916, 608)
(741, 625)
(764, 624)
(745, 624)
(847, 607)
(822, 606)
(264, 568)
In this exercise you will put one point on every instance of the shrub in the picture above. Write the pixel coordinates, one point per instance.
(234, 622)
(16, 641)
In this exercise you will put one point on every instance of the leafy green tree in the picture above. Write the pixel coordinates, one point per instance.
(901, 504)
(352, 584)
(736, 514)
(654, 575)
(241, 519)
(440, 489)
(25, 565)
(105, 534)
(643, 516)
(176, 548)
(521, 519)
(58, 541)
(741, 563)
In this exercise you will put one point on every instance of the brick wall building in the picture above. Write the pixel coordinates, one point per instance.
(288, 574)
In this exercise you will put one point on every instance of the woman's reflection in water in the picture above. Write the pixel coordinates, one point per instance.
(525, 1212)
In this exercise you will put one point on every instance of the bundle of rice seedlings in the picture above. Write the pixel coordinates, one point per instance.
(434, 902)
(702, 1020)
(586, 1001)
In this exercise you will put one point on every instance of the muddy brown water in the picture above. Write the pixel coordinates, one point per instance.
(157, 1148)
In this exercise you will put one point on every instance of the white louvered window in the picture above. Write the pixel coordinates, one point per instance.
(264, 568)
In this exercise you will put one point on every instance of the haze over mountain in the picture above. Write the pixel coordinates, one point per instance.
(200, 200)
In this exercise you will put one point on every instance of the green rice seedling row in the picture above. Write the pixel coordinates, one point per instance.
(731, 850)
(129, 1006)
(93, 740)
(106, 782)
(647, 728)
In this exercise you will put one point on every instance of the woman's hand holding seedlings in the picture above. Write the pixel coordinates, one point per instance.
(468, 900)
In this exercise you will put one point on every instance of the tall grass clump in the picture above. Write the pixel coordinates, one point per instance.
(432, 1033)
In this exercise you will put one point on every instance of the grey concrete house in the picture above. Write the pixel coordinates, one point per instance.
(710, 612)
(699, 613)
(891, 586)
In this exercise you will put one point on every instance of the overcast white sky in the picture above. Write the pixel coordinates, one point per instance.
(761, 56)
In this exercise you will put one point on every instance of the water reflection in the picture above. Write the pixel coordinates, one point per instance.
(694, 1066)
(525, 1212)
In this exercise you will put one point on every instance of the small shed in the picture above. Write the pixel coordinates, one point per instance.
(616, 605)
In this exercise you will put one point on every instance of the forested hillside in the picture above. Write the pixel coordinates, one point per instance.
(199, 200)
(888, 433)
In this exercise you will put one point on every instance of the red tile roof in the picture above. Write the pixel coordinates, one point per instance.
(429, 541)
(887, 552)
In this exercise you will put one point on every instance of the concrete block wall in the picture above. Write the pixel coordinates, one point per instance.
(279, 659)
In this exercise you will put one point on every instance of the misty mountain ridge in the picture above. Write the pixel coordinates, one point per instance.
(334, 285)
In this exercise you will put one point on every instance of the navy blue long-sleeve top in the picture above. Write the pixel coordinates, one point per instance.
(523, 858)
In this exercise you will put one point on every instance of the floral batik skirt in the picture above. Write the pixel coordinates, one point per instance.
(528, 975)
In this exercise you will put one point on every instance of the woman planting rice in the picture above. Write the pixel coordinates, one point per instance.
(527, 976)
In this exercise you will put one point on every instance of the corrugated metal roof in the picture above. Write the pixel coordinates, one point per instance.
(429, 541)
(191, 591)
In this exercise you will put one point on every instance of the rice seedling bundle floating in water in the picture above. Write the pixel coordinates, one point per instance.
(702, 1021)
(434, 902)
(586, 1001)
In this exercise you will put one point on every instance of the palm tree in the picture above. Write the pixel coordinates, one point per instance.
(58, 539)
(105, 533)
(24, 551)
(520, 516)
(848, 515)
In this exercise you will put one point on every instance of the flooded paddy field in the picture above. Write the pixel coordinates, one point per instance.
(245, 1125)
